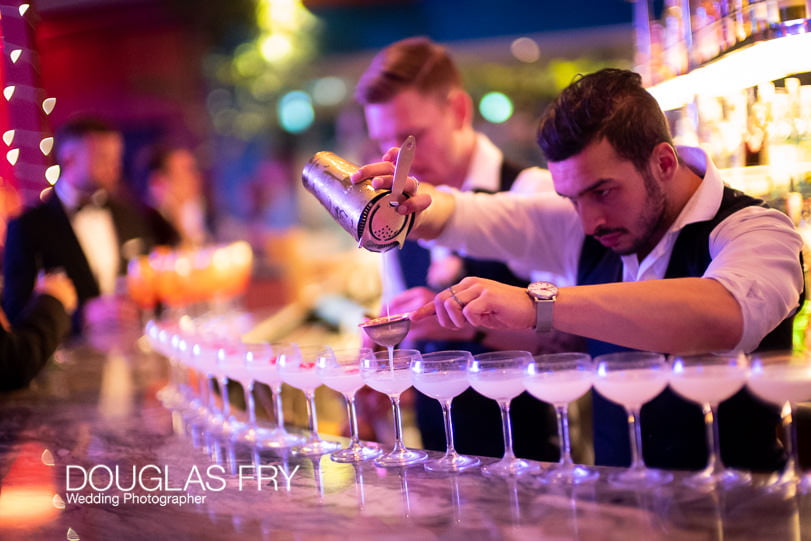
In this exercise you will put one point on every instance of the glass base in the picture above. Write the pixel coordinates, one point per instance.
(804, 486)
(640, 478)
(789, 481)
(452, 462)
(355, 453)
(573, 474)
(724, 477)
(510, 467)
(316, 447)
(214, 422)
(232, 427)
(401, 457)
(273, 438)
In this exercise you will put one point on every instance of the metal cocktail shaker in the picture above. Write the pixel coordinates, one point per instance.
(361, 210)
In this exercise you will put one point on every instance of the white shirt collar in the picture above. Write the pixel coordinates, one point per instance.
(68, 195)
(703, 205)
(484, 172)
(71, 197)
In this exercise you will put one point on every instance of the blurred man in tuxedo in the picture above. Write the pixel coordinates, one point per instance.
(86, 226)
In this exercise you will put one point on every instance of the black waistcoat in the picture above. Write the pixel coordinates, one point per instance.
(673, 434)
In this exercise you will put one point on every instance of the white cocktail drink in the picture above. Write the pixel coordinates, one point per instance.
(343, 382)
(632, 388)
(708, 384)
(441, 385)
(305, 380)
(780, 384)
(498, 384)
(559, 387)
(390, 382)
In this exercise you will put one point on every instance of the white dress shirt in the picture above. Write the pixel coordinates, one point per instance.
(94, 228)
(484, 173)
(754, 251)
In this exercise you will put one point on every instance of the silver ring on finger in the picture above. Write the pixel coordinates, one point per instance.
(453, 295)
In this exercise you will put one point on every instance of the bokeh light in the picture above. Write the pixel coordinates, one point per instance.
(329, 91)
(496, 107)
(525, 50)
(295, 111)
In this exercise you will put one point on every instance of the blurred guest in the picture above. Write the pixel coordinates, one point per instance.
(86, 226)
(413, 87)
(175, 188)
(43, 323)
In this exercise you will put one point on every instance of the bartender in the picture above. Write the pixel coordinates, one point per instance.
(661, 252)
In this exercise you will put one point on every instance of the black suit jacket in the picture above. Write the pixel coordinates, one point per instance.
(29, 345)
(42, 239)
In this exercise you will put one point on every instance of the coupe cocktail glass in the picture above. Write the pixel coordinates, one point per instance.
(784, 379)
(558, 379)
(260, 365)
(389, 372)
(339, 370)
(631, 379)
(709, 380)
(443, 375)
(499, 375)
(229, 363)
(297, 367)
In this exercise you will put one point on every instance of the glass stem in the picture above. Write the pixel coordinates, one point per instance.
(504, 406)
(278, 410)
(636, 439)
(714, 449)
(791, 470)
(446, 416)
(354, 441)
(226, 404)
(212, 402)
(202, 385)
(250, 405)
(562, 414)
(311, 415)
(398, 424)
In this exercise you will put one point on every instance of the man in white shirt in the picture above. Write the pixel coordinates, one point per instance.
(666, 259)
(412, 87)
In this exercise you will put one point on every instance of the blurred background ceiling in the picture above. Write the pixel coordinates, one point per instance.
(245, 80)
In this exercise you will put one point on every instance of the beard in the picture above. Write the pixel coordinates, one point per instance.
(651, 221)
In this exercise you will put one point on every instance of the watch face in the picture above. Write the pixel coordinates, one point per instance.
(542, 290)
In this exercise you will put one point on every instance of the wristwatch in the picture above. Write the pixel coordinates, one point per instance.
(544, 295)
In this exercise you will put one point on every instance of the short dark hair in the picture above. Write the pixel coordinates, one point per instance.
(414, 63)
(80, 126)
(157, 155)
(611, 104)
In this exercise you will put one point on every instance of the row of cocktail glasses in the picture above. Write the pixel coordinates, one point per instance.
(630, 379)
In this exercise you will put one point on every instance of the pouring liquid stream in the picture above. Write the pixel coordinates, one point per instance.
(387, 286)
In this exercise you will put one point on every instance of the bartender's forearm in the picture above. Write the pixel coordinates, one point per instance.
(432, 220)
(679, 315)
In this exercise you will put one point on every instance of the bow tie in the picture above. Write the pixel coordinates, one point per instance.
(97, 199)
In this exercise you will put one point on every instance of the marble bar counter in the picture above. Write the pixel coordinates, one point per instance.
(88, 452)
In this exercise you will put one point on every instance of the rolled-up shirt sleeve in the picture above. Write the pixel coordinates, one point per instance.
(756, 256)
(536, 231)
